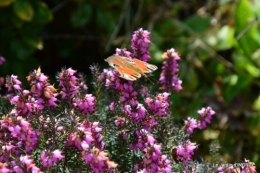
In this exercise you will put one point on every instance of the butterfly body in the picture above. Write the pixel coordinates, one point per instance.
(130, 68)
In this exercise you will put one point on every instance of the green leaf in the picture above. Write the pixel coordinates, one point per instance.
(42, 13)
(81, 16)
(235, 84)
(246, 30)
(22, 51)
(244, 64)
(252, 70)
(198, 23)
(225, 38)
(33, 41)
(17, 22)
(23, 9)
(256, 104)
(4, 3)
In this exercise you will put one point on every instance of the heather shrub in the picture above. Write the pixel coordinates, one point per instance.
(123, 126)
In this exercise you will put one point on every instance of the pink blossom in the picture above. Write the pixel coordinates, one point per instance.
(159, 104)
(185, 151)
(170, 69)
(86, 104)
(13, 84)
(190, 125)
(205, 117)
(112, 106)
(140, 45)
(48, 158)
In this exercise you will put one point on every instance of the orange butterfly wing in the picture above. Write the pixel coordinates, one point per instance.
(130, 68)
(144, 67)
(127, 73)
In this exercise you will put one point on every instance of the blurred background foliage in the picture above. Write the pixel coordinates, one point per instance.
(218, 41)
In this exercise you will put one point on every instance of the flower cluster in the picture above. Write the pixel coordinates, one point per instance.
(185, 151)
(153, 160)
(86, 104)
(48, 158)
(89, 140)
(190, 125)
(140, 45)
(23, 164)
(159, 104)
(68, 83)
(17, 136)
(40, 87)
(170, 69)
(74, 90)
(205, 118)
(13, 84)
(25, 103)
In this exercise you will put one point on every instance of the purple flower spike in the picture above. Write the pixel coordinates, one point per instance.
(159, 105)
(190, 125)
(205, 117)
(68, 83)
(185, 151)
(13, 84)
(86, 104)
(170, 69)
(140, 45)
(123, 52)
(49, 158)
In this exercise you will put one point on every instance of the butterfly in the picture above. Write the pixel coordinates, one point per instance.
(130, 68)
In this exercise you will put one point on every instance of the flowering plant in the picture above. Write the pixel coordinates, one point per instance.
(122, 127)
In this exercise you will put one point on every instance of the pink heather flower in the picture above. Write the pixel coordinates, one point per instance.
(13, 84)
(123, 52)
(120, 121)
(112, 106)
(24, 102)
(40, 87)
(86, 104)
(60, 128)
(190, 125)
(205, 117)
(69, 83)
(98, 161)
(49, 158)
(185, 151)
(24, 163)
(4, 168)
(143, 140)
(154, 161)
(170, 69)
(89, 140)
(136, 113)
(2, 60)
(88, 137)
(18, 129)
(125, 136)
(140, 45)
(159, 104)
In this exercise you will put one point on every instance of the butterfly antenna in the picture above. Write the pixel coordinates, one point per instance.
(150, 79)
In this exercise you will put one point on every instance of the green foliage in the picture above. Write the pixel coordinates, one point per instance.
(82, 15)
